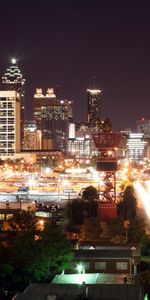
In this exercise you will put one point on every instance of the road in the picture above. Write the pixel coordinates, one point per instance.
(36, 196)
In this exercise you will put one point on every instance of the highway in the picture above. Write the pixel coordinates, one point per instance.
(36, 196)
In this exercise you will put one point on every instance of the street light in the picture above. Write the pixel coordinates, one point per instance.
(134, 261)
(80, 268)
(40, 224)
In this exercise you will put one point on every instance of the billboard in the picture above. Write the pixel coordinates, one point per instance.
(43, 214)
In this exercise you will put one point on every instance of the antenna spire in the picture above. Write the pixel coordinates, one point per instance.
(93, 81)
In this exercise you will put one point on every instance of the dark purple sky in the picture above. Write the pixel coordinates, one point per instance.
(67, 42)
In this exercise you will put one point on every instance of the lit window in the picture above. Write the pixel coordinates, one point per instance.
(100, 265)
(121, 265)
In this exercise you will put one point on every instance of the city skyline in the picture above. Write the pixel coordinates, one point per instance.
(66, 44)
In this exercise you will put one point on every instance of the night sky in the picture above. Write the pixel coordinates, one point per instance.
(66, 43)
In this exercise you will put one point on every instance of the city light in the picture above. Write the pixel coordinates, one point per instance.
(80, 268)
(40, 224)
(143, 195)
(31, 182)
(13, 60)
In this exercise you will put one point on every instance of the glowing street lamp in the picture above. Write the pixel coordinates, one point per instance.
(80, 268)
(31, 182)
(65, 182)
(41, 224)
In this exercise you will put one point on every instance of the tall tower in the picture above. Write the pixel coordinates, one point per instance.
(9, 123)
(94, 106)
(13, 81)
(32, 136)
(52, 117)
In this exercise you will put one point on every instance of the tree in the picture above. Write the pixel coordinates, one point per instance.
(91, 229)
(79, 209)
(90, 193)
(136, 229)
(56, 247)
(145, 245)
(116, 227)
(127, 207)
(33, 259)
(90, 196)
(22, 220)
(27, 257)
(75, 211)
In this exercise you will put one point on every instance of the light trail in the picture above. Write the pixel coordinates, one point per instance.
(142, 192)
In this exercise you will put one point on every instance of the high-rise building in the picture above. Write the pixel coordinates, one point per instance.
(32, 137)
(52, 117)
(13, 81)
(94, 106)
(9, 123)
(136, 146)
(143, 126)
(80, 142)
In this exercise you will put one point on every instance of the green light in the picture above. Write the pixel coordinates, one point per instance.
(75, 278)
(80, 268)
(146, 297)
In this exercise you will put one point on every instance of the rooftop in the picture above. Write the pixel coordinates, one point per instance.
(103, 253)
(79, 291)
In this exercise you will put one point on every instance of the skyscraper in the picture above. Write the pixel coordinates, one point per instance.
(9, 123)
(52, 117)
(13, 81)
(143, 126)
(94, 106)
(32, 137)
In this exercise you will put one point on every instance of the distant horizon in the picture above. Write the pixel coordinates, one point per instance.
(28, 116)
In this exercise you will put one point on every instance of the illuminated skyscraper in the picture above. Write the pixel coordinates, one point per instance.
(13, 81)
(136, 146)
(9, 123)
(32, 137)
(94, 106)
(52, 117)
(143, 126)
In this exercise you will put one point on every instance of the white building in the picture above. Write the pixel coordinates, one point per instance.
(13, 80)
(9, 123)
(80, 143)
(136, 146)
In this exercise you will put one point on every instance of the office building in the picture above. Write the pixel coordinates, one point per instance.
(52, 117)
(9, 123)
(94, 106)
(143, 126)
(13, 80)
(136, 146)
(32, 137)
(80, 143)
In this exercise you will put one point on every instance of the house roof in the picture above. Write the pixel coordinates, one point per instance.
(101, 253)
(76, 291)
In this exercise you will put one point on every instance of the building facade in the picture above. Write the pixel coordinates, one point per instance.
(80, 142)
(94, 106)
(9, 123)
(32, 137)
(143, 126)
(13, 80)
(52, 117)
(136, 146)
